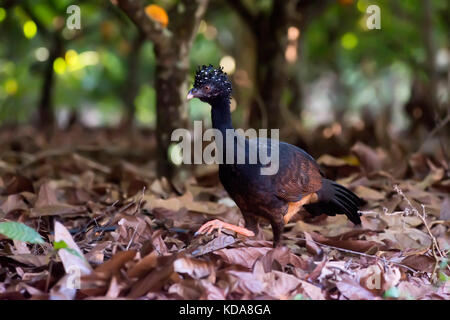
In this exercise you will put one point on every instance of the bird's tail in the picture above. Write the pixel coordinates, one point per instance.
(336, 199)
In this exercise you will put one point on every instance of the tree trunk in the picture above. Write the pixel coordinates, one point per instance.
(272, 70)
(46, 117)
(172, 49)
(171, 105)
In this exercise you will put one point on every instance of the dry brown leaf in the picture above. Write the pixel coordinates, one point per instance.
(31, 259)
(195, 268)
(353, 290)
(114, 288)
(445, 210)
(280, 285)
(185, 201)
(187, 289)
(220, 242)
(354, 245)
(18, 184)
(248, 282)
(369, 193)
(331, 161)
(311, 246)
(13, 203)
(112, 266)
(46, 197)
(61, 209)
(144, 265)
(245, 257)
(420, 262)
(370, 159)
(155, 279)
(312, 291)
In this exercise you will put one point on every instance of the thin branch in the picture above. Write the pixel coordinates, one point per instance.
(362, 254)
(190, 20)
(135, 10)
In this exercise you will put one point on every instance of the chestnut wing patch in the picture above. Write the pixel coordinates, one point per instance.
(299, 176)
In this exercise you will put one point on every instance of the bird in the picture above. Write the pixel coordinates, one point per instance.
(299, 181)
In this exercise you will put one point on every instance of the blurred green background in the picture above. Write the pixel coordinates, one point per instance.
(336, 73)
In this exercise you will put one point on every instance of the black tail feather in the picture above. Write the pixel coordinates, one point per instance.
(336, 199)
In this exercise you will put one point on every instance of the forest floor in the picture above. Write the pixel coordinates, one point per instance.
(104, 216)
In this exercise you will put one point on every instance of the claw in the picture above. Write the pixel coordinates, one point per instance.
(218, 225)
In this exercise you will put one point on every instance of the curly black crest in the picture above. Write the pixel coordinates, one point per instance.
(210, 75)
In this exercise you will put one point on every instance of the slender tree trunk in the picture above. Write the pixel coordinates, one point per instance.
(171, 105)
(46, 116)
(271, 67)
(272, 70)
(172, 47)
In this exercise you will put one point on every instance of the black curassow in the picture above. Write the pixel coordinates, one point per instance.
(277, 197)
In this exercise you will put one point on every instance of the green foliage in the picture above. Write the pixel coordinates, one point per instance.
(392, 292)
(146, 106)
(299, 296)
(20, 231)
(335, 40)
(58, 245)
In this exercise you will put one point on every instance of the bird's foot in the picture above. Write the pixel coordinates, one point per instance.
(218, 225)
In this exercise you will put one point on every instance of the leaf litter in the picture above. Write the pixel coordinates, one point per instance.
(106, 219)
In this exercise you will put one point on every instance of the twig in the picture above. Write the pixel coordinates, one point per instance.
(140, 200)
(132, 237)
(362, 254)
(435, 246)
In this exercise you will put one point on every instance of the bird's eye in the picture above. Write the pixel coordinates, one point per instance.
(207, 88)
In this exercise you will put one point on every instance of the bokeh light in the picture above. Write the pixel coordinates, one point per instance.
(362, 5)
(29, 29)
(59, 65)
(2, 14)
(349, 41)
(228, 63)
(293, 33)
(175, 154)
(41, 54)
(11, 87)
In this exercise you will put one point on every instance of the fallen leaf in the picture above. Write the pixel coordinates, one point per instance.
(445, 210)
(112, 266)
(72, 262)
(312, 291)
(353, 290)
(245, 257)
(46, 197)
(57, 210)
(13, 203)
(368, 193)
(144, 265)
(195, 268)
(217, 243)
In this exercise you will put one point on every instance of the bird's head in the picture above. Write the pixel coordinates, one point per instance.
(210, 84)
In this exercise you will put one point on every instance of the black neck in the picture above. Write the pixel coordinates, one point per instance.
(221, 114)
(221, 120)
